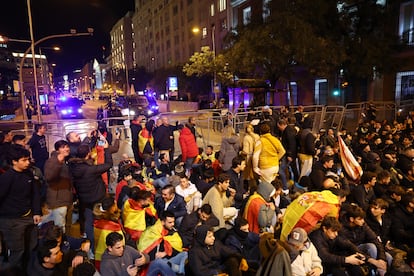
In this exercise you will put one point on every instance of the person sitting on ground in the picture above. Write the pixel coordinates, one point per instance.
(307, 263)
(244, 242)
(172, 202)
(237, 180)
(138, 213)
(162, 241)
(209, 256)
(359, 233)
(339, 256)
(106, 221)
(189, 192)
(120, 259)
(219, 202)
(260, 210)
(203, 216)
(49, 260)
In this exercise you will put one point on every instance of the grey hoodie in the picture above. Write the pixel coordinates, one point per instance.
(266, 214)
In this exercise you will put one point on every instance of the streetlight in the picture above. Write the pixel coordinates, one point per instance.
(89, 33)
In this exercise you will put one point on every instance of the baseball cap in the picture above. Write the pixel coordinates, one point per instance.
(297, 237)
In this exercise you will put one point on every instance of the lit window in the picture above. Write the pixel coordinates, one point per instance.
(204, 32)
(212, 9)
(222, 5)
(247, 15)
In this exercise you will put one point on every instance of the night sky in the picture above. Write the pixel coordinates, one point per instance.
(58, 17)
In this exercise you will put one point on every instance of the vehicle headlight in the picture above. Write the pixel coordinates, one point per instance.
(79, 110)
(125, 112)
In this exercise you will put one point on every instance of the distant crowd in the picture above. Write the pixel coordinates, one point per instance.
(275, 199)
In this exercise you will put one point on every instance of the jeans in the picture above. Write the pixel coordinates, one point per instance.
(58, 215)
(177, 262)
(188, 164)
(371, 250)
(159, 267)
(89, 227)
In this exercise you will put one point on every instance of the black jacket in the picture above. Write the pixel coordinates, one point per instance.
(164, 137)
(332, 252)
(237, 183)
(87, 178)
(363, 234)
(288, 139)
(189, 224)
(402, 226)
(18, 194)
(384, 230)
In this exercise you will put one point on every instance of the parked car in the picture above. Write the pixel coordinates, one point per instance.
(69, 108)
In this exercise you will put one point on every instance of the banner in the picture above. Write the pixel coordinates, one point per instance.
(349, 163)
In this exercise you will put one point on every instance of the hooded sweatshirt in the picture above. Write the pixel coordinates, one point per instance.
(117, 266)
(228, 150)
(258, 212)
(207, 260)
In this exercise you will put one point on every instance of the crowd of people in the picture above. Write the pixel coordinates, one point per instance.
(278, 199)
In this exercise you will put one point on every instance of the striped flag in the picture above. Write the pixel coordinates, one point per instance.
(351, 166)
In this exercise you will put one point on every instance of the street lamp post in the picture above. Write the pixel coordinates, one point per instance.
(89, 33)
(213, 41)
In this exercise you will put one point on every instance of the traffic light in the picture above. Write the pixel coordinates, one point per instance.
(336, 92)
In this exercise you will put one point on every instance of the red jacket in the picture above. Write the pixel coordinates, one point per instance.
(189, 148)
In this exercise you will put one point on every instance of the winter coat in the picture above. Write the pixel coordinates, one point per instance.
(59, 188)
(189, 148)
(87, 179)
(362, 234)
(332, 252)
(228, 150)
(402, 227)
(257, 212)
(207, 260)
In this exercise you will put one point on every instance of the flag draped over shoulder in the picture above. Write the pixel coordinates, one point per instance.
(351, 166)
(308, 209)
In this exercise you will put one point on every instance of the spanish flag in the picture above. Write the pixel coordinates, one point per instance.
(101, 229)
(251, 212)
(133, 216)
(155, 235)
(308, 209)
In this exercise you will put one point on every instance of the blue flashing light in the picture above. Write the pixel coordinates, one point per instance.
(336, 92)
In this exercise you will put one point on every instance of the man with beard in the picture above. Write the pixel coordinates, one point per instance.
(74, 141)
(162, 242)
(203, 216)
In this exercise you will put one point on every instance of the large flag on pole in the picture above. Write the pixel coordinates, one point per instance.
(351, 166)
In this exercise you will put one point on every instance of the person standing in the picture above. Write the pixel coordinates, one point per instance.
(306, 145)
(189, 148)
(249, 141)
(59, 188)
(164, 138)
(88, 183)
(19, 205)
(288, 139)
(135, 129)
(38, 145)
(267, 153)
